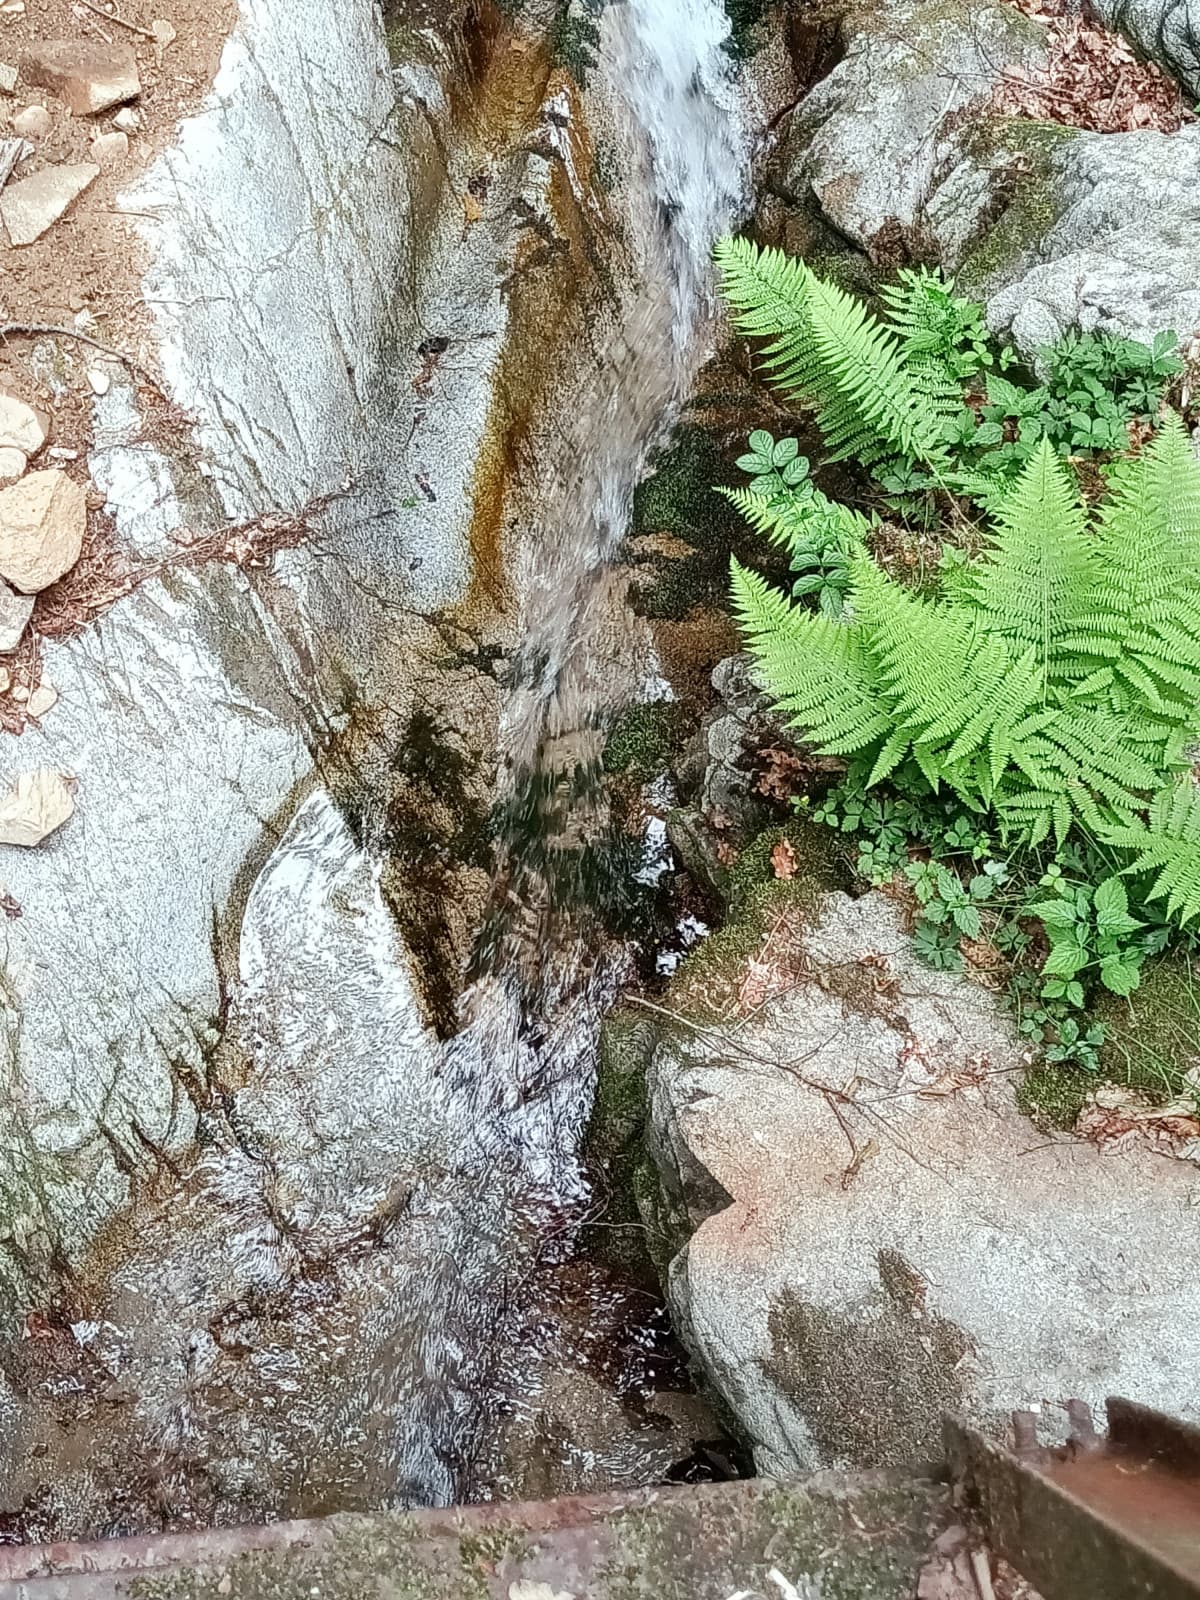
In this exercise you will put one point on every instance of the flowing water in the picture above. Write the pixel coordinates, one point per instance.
(365, 1260)
(523, 1066)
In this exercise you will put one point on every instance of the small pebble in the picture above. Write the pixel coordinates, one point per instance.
(21, 694)
(109, 150)
(8, 78)
(100, 381)
(128, 119)
(43, 699)
(34, 122)
(5, 680)
(61, 453)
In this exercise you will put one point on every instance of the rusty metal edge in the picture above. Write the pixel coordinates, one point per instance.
(157, 1552)
(1174, 1444)
(1059, 1544)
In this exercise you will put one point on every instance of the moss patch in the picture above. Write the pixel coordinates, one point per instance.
(614, 1147)
(1025, 203)
(871, 1381)
(757, 902)
(861, 1543)
(683, 531)
(643, 739)
(1052, 1096)
(1154, 1035)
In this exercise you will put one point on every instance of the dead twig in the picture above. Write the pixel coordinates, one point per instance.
(50, 330)
(121, 22)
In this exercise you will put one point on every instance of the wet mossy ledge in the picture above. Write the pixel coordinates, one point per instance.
(642, 1226)
(1151, 1049)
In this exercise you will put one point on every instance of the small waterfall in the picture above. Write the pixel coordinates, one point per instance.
(543, 974)
(525, 1059)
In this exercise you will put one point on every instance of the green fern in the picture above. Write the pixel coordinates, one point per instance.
(824, 347)
(987, 691)
(1056, 680)
(1168, 843)
(800, 523)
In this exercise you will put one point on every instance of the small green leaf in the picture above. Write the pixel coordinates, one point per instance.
(786, 450)
(1065, 960)
(1054, 913)
(1112, 909)
(1120, 976)
(761, 442)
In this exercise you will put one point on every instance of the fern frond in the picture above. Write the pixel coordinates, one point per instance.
(815, 667)
(826, 348)
(767, 288)
(1168, 844)
(801, 522)
(1145, 608)
(1035, 579)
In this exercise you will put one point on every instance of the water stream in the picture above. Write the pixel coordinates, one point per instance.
(345, 1302)
(524, 1063)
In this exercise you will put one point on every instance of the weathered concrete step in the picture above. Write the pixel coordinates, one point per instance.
(860, 1537)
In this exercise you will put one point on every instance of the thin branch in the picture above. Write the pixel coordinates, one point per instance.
(111, 16)
(35, 330)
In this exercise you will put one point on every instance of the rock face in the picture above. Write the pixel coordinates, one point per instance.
(1119, 250)
(1167, 31)
(193, 712)
(896, 152)
(33, 204)
(877, 1234)
(42, 523)
(868, 145)
(88, 75)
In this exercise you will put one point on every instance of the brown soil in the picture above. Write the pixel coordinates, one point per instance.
(91, 261)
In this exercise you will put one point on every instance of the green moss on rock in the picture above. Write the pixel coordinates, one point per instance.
(1154, 1035)
(643, 739)
(1027, 207)
(1053, 1096)
(757, 899)
(614, 1145)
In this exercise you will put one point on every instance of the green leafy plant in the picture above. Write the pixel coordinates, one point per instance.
(921, 399)
(1015, 742)
(781, 502)
(1089, 929)
(937, 325)
(1097, 384)
(1058, 682)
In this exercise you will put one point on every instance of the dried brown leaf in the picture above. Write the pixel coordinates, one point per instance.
(783, 860)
